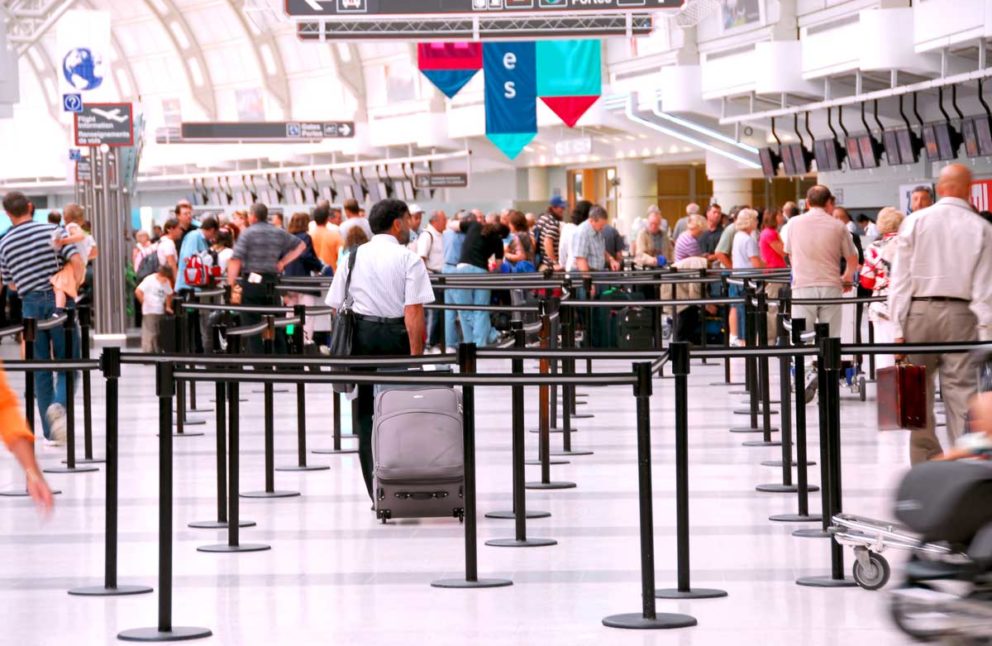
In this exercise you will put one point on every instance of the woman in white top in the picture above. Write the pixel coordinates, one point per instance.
(746, 253)
(579, 215)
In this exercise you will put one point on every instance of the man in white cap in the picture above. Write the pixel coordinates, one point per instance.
(416, 218)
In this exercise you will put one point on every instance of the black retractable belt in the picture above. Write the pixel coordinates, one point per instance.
(68, 327)
(300, 312)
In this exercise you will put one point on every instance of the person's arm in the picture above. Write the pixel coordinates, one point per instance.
(981, 289)
(901, 282)
(757, 262)
(168, 303)
(778, 247)
(549, 249)
(78, 268)
(94, 252)
(514, 251)
(581, 264)
(424, 244)
(413, 317)
(612, 262)
(139, 294)
(290, 257)
(20, 442)
(723, 259)
(233, 271)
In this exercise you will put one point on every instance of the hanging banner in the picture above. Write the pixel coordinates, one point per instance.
(511, 95)
(569, 77)
(449, 66)
(83, 52)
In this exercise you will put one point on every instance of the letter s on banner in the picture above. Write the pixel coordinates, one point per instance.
(511, 94)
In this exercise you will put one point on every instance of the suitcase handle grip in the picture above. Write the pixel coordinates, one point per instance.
(421, 495)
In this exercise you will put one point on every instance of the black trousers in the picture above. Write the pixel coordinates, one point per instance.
(260, 294)
(373, 339)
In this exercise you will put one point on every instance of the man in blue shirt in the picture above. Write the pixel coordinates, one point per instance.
(453, 240)
(197, 243)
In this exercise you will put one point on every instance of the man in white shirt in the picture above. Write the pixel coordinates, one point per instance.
(430, 248)
(354, 219)
(168, 255)
(389, 290)
(940, 291)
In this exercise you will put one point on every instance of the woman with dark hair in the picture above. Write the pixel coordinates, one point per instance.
(579, 215)
(519, 253)
(482, 242)
(308, 264)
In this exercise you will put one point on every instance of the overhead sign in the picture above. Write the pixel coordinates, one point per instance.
(569, 147)
(281, 131)
(84, 171)
(441, 180)
(72, 102)
(345, 8)
(105, 123)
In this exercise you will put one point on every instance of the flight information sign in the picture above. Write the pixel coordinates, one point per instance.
(422, 8)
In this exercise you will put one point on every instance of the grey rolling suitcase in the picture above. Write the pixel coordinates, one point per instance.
(418, 452)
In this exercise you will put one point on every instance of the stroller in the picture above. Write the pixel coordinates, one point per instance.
(947, 594)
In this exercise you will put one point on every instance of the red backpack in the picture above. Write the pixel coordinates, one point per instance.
(200, 270)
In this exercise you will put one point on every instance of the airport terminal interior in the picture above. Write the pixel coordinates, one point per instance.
(496, 321)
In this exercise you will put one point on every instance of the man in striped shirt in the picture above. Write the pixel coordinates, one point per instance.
(28, 260)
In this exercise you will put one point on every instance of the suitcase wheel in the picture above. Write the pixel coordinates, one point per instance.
(459, 513)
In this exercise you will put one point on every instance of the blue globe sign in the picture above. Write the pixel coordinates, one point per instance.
(83, 69)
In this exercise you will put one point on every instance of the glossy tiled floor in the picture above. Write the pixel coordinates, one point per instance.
(334, 575)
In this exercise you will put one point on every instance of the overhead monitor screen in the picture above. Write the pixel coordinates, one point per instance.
(970, 138)
(769, 162)
(869, 156)
(826, 153)
(854, 154)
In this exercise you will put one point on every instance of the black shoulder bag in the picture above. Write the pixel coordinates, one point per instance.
(343, 324)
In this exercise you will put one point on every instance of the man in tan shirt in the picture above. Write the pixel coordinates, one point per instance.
(327, 240)
(940, 291)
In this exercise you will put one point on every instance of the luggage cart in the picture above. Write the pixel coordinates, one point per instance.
(869, 538)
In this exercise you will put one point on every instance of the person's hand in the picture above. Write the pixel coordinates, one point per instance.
(279, 267)
(614, 265)
(39, 492)
(169, 311)
(900, 341)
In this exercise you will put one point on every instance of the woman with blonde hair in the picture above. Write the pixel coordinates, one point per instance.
(875, 276)
(746, 253)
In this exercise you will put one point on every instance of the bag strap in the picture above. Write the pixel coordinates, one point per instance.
(352, 257)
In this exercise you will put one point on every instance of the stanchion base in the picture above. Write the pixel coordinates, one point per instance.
(529, 542)
(218, 524)
(694, 593)
(729, 383)
(825, 582)
(739, 392)
(177, 634)
(240, 399)
(795, 518)
(198, 411)
(750, 429)
(23, 493)
(573, 452)
(334, 451)
(70, 469)
(275, 391)
(662, 621)
(192, 422)
(224, 548)
(778, 463)
(103, 591)
(184, 434)
(747, 411)
(478, 583)
(812, 533)
(760, 443)
(550, 462)
(510, 515)
(550, 485)
(270, 494)
(582, 416)
(782, 488)
(304, 467)
(87, 461)
(554, 430)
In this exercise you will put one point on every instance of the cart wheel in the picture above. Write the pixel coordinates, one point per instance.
(875, 575)
(862, 384)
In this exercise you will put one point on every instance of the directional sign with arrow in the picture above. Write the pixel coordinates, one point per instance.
(311, 8)
(276, 131)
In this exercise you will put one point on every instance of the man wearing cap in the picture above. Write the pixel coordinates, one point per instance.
(550, 232)
(416, 219)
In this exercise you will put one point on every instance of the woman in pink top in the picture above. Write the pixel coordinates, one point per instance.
(772, 249)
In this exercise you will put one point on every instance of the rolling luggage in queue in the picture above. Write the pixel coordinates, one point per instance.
(902, 397)
(636, 329)
(418, 453)
(605, 332)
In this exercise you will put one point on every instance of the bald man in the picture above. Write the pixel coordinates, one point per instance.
(941, 291)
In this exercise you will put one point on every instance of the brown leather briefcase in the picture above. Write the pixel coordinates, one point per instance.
(902, 397)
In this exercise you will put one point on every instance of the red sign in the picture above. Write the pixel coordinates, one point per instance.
(981, 194)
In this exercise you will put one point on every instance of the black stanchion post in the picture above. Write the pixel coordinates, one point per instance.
(587, 287)
(268, 344)
(758, 331)
(830, 360)
(519, 513)
(70, 402)
(165, 631)
(871, 357)
(648, 618)
(751, 366)
(300, 312)
(85, 314)
(544, 429)
(467, 366)
(822, 332)
(679, 357)
(442, 318)
(184, 345)
(568, 392)
(802, 482)
(234, 523)
(110, 364)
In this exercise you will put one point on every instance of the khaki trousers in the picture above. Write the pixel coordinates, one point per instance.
(942, 322)
(832, 315)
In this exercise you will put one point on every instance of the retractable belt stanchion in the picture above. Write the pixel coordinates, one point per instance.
(830, 356)
(336, 432)
(519, 513)
(234, 523)
(270, 293)
(725, 291)
(68, 327)
(300, 312)
(110, 364)
(679, 357)
(220, 400)
(573, 313)
(268, 341)
(467, 365)
(85, 315)
(871, 357)
(822, 333)
(184, 343)
(544, 435)
(802, 485)
(164, 631)
(518, 438)
(193, 328)
(759, 334)
(648, 618)
(568, 367)
(752, 364)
